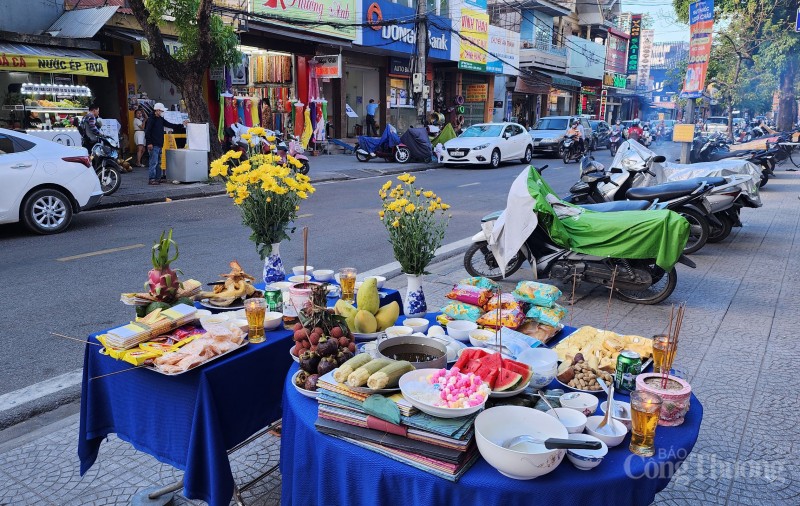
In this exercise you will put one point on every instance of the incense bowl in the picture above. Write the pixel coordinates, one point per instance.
(675, 398)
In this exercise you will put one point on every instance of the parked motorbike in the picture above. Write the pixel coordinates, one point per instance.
(104, 155)
(706, 149)
(571, 148)
(387, 146)
(296, 150)
(633, 280)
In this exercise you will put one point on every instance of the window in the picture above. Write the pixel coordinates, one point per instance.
(11, 144)
(551, 124)
(482, 131)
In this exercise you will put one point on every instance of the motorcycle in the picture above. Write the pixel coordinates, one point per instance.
(571, 148)
(632, 280)
(714, 150)
(646, 138)
(387, 146)
(614, 142)
(296, 150)
(104, 155)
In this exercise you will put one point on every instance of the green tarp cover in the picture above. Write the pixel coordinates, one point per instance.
(659, 235)
(445, 135)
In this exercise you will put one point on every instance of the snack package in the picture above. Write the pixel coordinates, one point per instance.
(511, 318)
(470, 295)
(538, 294)
(462, 311)
(505, 301)
(548, 315)
(443, 319)
(540, 331)
(480, 282)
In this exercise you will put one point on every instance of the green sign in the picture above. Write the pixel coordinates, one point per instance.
(342, 13)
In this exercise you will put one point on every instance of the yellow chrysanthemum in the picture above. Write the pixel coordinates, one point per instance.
(428, 194)
(411, 179)
(381, 214)
(303, 195)
(410, 208)
(445, 207)
(386, 186)
(418, 192)
(403, 177)
(396, 223)
(438, 200)
(235, 155)
(247, 137)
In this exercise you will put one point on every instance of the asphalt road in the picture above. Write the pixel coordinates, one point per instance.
(71, 283)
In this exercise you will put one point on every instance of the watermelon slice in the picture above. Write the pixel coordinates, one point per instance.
(472, 366)
(490, 377)
(506, 380)
(517, 367)
(467, 355)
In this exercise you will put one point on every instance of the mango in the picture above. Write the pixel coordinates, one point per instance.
(367, 298)
(365, 322)
(345, 308)
(387, 315)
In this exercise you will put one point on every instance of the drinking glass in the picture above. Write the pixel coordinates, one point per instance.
(659, 351)
(645, 411)
(255, 309)
(347, 280)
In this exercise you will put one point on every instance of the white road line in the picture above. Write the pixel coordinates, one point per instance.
(468, 184)
(100, 252)
(39, 390)
(393, 266)
(307, 215)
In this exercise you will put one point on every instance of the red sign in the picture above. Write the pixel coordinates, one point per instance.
(701, 18)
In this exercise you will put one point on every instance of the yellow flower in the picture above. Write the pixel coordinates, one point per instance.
(303, 195)
(402, 202)
(247, 137)
(411, 179)
(410, 208)
(428, 194)
(403, 177)
(445, 207)
(438, 200)
(418, 192)
(238, 201)
(271, 138)
(386, 185)
(236, 155)
(269, 199)
(381, 214)
(396, 223)
(382, 194)
(296, 208)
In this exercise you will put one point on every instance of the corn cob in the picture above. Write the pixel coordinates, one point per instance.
(351, 365)
(360, 376)
(388, 376)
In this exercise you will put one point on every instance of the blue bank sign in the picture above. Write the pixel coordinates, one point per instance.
(402, 37)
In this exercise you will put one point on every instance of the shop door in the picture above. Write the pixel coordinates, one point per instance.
(473, 113)
(361, 86)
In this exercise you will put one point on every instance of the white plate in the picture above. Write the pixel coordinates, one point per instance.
(206, 303)
(645, 365)
(303, 391)
(294, 357)
(508, 393)
(410, 383)
(153, 368)
(368, 337)
(453, 345)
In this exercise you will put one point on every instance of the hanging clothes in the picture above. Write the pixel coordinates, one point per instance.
(307, 128)
(254, 111)
(248, 117)
(312, 107)
(240, 110)
(299, 118)
(230, 110)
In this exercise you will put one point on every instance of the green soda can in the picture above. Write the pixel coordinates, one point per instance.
(629, 365)
(274, 300)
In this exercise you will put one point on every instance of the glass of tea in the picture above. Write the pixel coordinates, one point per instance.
(255, 309)
(347, 280)
(659, 351)
(645, 411)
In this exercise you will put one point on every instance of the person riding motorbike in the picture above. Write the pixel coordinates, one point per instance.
(577, 130)
(616, 128)
(90, 129)
(635, 131)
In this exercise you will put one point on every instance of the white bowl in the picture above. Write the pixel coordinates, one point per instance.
(460, 329)
(497, 425)
(272, 320)
(612, 434)
(398, 330)
(241, 323)
(409, 385)
(543, 363)
(580, 401)
(481, 337)
(323, 275)
(573, 420)
(280, 285)
(298, 270)
(586, 459)
(626, 421)
(214, 319)
(379, 279)
(299, 279)
(435, 330)
(417, 324)
(200, 313)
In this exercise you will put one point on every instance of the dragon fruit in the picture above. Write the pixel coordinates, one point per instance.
(162, 281)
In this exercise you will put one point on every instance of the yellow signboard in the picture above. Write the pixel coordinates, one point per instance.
(476, 93)
(53, 64)
(683, 133)
(475, 40)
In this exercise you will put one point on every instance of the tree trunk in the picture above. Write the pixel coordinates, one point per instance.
(786, 100)
(730, 95)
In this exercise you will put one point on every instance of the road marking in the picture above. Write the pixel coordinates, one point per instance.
(100, 252)
(41, 389)
(393, 266)
(307, 215)
(468, 184)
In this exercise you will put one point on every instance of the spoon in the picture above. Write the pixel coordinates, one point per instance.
(552, 443)
(609, 407)
(547, 403)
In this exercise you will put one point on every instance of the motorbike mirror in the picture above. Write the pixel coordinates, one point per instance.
(616, 170)
(659, 159)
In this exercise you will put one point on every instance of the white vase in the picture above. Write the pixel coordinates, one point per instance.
(414, 304)
(273, 265)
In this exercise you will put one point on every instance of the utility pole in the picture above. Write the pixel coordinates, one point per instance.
(686, 147)
(418, 79)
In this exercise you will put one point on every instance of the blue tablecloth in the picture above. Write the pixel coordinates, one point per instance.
(191, 420)
(317, 469)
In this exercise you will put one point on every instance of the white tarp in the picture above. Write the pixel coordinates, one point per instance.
(516, 223)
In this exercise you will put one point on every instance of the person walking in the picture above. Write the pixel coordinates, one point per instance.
(138, 135)
(154, 136)
(372, 108)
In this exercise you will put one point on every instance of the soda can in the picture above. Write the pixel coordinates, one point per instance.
(274, 300)
(629, 365)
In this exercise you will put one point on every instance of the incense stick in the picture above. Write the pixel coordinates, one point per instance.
(498, 334)
(572, 299)
(75, 339)
(610, 295)
(116, 372)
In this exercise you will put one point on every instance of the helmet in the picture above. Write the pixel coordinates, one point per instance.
(636, 121)
(282, 147)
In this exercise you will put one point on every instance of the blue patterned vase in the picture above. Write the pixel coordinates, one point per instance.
(414, 305)
(273, 266)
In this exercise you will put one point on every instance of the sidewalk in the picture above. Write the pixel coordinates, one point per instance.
(738, 343)
(334, 167)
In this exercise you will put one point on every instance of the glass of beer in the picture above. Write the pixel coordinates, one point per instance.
(255, 309)
(645, 411)
(347, 280)
(659, 351)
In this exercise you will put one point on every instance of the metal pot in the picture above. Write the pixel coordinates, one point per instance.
(422, 352)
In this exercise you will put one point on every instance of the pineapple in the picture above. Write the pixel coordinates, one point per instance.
(162, 281)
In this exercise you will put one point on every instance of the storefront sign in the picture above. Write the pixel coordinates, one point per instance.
(53, 64)
(585, 58)
(616, 47)
(381, 31)
(400, 67)
(340, 12)
(633, 45)
(614, 80)
(476, 93)
(701, 25)
(645, 55)
(503, 53)
(480, 4)
(603, 101)
(327, 67)
(475, 40)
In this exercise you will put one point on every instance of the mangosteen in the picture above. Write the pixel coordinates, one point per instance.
(344, 356)
(300, 379)
(309, 361)
(326, 365)
(311, 382)
(327, 346)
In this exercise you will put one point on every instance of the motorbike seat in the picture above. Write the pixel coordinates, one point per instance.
(621, 205)
(726, 154)
(713, 181)
(667, 191)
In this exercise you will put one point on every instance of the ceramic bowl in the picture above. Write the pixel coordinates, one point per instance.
(497, 425)
(421, 351)
(298, 270)
(612, 434)
(573, 420)
(435, 330)
(323, 275)
(379, 279)
(398, 330)
(299, 278)
(543, 363)
(272, 320)
(417, 324)
(580, 401)
(624, 420)
(586, 459)
(200, 313)
(214, 319)
(460, 329)
(481, 337)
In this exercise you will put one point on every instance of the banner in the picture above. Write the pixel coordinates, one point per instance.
(402, 37)
(645, 55)
(312, 14)
(633, 44)
(476, 93)
(701, 25)
(475, 41)
(614, 80)
(505, 44)
(54, 64)
(327, 67)
(585, 58)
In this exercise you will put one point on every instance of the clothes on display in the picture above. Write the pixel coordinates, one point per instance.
(270, 69)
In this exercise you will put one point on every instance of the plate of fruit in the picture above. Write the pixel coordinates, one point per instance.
(369, 319)
(580, 376)
(505, 377)
(305, 384)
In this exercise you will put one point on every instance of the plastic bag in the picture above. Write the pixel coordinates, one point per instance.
(470, 295)
(506, 301)
(539, 294)
(511, 318)
(480, 282)
(462, 311)
(548, 315)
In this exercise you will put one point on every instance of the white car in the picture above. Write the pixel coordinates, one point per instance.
(489, 143)
(43, 182)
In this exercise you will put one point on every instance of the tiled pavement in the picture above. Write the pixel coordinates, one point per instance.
(737, 347)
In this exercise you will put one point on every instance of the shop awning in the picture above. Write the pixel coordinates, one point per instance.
(561, 81)
(82, 23)
(532, 86)
(51, 60)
